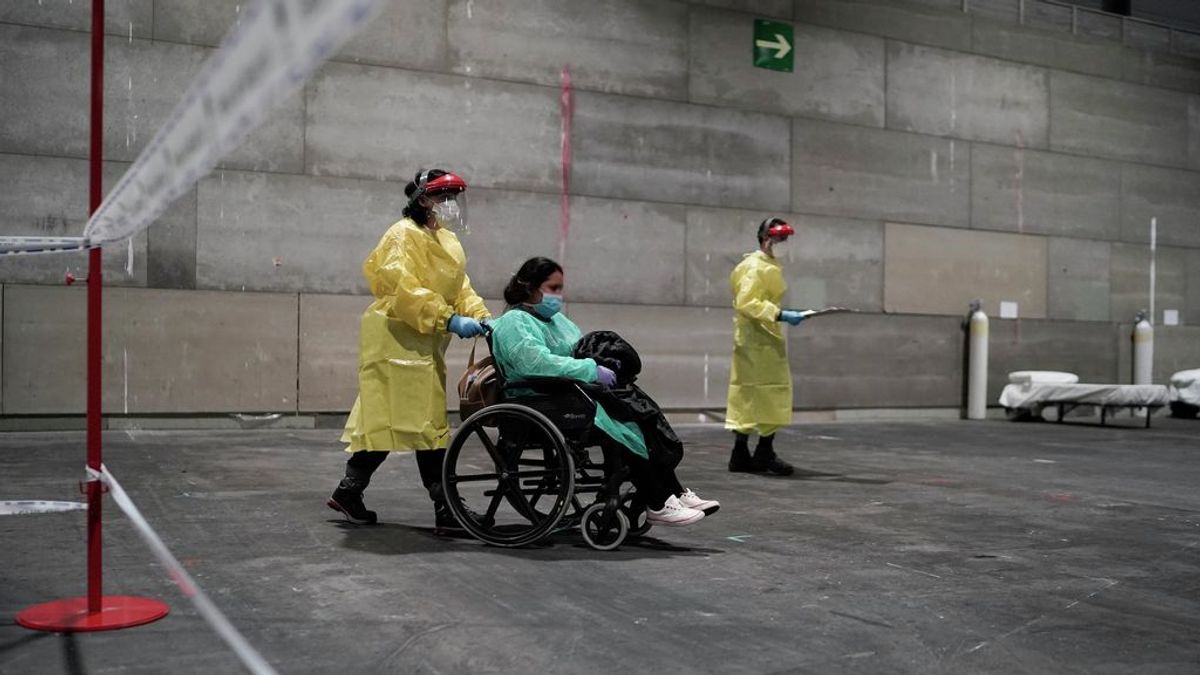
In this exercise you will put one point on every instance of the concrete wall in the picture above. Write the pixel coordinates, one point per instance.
(928, 156)
(214, 352)
(1086, 349)
(1095, 116)
(879, 361)
(1175, 349)
(931, 270)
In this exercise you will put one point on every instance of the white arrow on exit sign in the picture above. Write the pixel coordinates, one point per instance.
(780, 44)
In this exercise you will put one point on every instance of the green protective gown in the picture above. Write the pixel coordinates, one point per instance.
(528, 346)
(419, 280)
(760, 381)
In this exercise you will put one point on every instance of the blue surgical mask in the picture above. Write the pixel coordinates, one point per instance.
(549, 306)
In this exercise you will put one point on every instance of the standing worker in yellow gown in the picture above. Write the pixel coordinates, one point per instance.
(760, 382)
(417, 274)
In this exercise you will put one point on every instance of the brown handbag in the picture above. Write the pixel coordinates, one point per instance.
(479, 386)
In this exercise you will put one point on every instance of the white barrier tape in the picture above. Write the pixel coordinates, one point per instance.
(93, 475)
(31, 506)
(269, 54)
(250, 658)
(26, 245)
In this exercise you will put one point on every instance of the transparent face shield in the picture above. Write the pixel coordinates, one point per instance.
(450, 210)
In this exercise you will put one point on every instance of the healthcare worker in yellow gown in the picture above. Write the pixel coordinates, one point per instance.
(760, 382)
(417, 274)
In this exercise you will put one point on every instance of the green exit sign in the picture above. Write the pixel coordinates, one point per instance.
(773, 42)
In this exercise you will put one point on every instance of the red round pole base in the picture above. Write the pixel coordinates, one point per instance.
(71, 615)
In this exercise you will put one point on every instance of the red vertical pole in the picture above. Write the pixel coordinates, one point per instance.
(95, 612)
(94, 345)
(566, 112)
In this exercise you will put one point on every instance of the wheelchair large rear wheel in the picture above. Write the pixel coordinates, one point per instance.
(508, 476)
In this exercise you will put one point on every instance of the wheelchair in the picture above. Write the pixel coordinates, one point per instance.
(522, 469)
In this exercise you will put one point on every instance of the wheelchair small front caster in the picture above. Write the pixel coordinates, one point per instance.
(603, 529)
(643, 526)
(635, 513)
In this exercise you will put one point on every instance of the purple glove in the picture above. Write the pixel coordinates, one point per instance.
(605, 377)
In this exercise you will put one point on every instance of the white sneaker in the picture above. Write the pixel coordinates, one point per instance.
(673, 514)
(692, 500)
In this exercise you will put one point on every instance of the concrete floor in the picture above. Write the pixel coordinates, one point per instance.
(934, 547)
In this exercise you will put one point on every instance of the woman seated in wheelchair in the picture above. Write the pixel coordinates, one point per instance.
(534, 339)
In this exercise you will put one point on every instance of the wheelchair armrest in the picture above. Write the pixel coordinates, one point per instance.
(553, 385)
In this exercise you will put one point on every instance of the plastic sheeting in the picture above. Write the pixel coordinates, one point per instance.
(1041, 377)
(1035, 396)
(1185, 387)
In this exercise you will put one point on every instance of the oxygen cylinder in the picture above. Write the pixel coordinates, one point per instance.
(977, 368)
(1143, 351)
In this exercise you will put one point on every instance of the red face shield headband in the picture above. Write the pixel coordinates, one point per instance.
(444, 183)
(780, 230)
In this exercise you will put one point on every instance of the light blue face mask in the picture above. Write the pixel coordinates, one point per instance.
(549, 306)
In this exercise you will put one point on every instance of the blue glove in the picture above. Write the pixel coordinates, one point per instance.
(464, 326)
(607, 378)
(791, 316)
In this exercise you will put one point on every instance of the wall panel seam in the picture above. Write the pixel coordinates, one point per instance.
(3, 348)
(727, 108)
(299, 357)
(971, 185)
(360, 62)
(1113, 46)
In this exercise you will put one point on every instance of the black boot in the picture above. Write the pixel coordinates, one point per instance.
(347, 500)
(766, 460)
(740, 460)
(443, 518)
(429, 463)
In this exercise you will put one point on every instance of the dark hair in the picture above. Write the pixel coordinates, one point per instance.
(766, 225)
(418, 213)
(533, 273)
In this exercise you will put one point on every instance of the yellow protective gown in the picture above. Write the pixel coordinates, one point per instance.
(418, 277)
(760, 381)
